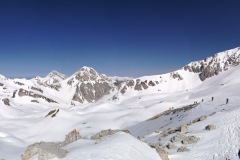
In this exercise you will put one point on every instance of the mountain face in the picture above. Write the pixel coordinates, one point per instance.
(194, 110)
(90, 86)
(196, 72)
(87, 85)
(214, 65)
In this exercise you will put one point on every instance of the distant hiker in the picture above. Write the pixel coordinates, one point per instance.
(212, 98)
(227, 101)
(239, 153)
(202, 100)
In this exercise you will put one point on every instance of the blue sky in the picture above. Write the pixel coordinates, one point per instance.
(116, 37)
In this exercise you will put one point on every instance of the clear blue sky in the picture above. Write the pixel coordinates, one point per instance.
(116, 37)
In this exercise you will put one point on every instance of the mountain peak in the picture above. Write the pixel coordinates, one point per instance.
(87, 73)
(56, 73)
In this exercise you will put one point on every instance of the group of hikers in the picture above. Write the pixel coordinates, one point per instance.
(227, 100)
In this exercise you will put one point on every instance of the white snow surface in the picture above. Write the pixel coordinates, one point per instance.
(23, 122)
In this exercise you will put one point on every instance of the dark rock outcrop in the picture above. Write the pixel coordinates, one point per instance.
(37, 89)
(23, 92)
(140, 85)
(52, 113)
(6, 101)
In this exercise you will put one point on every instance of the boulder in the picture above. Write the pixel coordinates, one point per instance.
(210, 127)
(183, 149)
(170, 146)
(190, 140)
(183, 128)
(177, 137)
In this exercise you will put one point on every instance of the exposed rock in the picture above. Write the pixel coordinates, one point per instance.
(37, 89)
(212, 114)
(44, 151)
(177, 137)
(130, 83)
(50, 150)
(114, 97)
(199, 119)
(140, 85)
(23, 92)
(6, 101)
(71, 137)
(210, 127)
(91, 92)
(1, 84)
(14, 93)
(176, 75)
(123, 90)
(35, 101)
(202, 118)
(183, 149)
(183, 128)
(211, 65)
(169, 131)
(162, 153)
(158, 130)
(170, 146)
(174, 111)
(53, 80)
(151, 83)
(52, 113)
(118, 84)
(105, 133)
(19, 83)
(190, 140)
(155, 145)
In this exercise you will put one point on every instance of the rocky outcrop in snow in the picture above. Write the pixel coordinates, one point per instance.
(105, 133)
(183, 149)
(50, 150)
(71, 137)
(23, 92)
(44, 151)
(6, 101)
(215, 64)
(210, 127)
(190, 140)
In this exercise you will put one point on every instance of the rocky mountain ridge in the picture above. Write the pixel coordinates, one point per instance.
(87, 85)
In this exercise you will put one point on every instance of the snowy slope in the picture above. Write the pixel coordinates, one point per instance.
(114, 148)
(24, 121)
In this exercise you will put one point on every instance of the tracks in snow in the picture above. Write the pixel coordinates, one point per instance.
(229, 142)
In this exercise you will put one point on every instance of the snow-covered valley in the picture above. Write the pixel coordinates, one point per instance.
(160, 112)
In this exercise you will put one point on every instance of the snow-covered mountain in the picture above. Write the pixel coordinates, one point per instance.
(191, 113)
